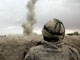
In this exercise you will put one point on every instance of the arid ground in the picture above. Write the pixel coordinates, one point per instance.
(13, 47)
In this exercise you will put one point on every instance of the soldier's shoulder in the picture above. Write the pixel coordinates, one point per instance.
(36, 48)
(71, 49)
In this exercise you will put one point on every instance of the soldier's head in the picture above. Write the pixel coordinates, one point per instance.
(53, 31)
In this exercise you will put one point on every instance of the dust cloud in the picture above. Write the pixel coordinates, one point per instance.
(31, 19)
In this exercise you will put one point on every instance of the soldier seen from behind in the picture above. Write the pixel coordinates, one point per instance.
(52, 46)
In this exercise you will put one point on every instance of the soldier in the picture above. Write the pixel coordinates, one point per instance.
(52, 47)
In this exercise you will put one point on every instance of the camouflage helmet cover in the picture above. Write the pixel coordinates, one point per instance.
(54, 28)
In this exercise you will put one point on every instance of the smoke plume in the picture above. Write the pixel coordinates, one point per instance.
(31, 20)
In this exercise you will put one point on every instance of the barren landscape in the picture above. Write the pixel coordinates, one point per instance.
(12, 47)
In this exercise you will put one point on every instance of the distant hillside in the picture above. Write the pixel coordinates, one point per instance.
(74, 33)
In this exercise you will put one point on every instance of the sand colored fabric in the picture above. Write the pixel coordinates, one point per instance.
(49, 51)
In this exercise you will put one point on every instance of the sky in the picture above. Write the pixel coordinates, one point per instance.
(13, 13)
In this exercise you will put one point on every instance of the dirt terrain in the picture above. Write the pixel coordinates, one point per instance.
(12, 47)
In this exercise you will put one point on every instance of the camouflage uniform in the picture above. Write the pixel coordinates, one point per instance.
(51, 51)
(52, 47)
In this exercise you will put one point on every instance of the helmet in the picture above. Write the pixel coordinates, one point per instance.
(53, 30)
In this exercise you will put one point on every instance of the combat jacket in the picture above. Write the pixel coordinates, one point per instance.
(50, 51)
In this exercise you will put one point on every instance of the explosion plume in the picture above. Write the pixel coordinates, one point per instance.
(31, 20)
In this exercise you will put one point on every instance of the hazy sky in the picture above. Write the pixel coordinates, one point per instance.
(13, 13)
